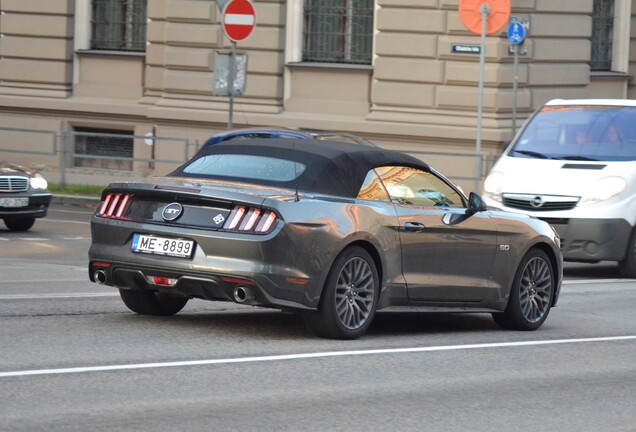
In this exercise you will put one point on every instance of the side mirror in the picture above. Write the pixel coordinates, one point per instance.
(475, 203)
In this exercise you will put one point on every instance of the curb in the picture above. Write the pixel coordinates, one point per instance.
(73, 200)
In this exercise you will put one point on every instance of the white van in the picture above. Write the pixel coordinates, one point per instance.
(573, 165)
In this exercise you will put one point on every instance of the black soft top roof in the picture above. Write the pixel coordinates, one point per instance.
(333, 168)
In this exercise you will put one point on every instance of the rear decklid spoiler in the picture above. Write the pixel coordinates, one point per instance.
(205, 189)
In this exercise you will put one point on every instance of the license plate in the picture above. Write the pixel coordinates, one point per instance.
(162, 246)
(14, 202)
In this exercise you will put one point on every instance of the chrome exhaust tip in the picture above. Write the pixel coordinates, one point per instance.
(100, 277)
(242, 294)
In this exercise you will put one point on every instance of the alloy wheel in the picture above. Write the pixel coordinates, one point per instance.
(355, 293)
(536, 289)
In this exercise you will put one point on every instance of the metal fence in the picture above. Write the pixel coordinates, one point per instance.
(124, 155)
(94, 153)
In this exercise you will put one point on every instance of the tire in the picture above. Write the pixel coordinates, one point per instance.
(146, 302)
(627, 267)
(531, 294)
(21, 224)
(349, 297)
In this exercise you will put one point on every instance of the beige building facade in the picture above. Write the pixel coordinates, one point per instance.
(414, 94)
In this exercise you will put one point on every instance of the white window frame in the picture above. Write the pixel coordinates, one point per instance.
(621, 29)
(294, 33)
(294, 41)
(621, 35)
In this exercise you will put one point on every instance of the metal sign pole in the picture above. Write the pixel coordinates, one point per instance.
(516, 35)
(485, 10)
(231, 79)
(515, 83)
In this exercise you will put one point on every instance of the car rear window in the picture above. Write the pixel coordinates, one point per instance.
(246, 167)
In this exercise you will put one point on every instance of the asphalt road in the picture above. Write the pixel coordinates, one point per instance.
(75, 359)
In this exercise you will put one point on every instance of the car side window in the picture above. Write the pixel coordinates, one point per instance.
(373, 189)
(406, 185)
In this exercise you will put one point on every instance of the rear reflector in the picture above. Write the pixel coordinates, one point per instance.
(297, 280)
(236, 280)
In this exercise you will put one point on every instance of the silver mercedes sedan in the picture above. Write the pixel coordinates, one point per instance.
(331, 230)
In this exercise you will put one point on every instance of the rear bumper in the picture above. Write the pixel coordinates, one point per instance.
(257, 289)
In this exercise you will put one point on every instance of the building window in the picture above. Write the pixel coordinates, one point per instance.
(118, 25)
(602, 35)
(103, 149)
(338, 31)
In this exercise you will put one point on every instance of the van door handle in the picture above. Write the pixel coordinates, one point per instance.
(414, 227)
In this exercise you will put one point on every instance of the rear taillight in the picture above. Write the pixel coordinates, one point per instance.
(114, 206)
(250, 220)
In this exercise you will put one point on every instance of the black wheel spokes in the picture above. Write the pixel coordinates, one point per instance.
(536, 289)
(355, 293)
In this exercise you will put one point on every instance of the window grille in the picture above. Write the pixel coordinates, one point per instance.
(118, 25)
(338, 31)
(95, 147)
(602, 33)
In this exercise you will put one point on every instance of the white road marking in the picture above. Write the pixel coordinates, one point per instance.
(285, 357)
(15, 281)
(596, 281)
(43, 239)
(56, 296)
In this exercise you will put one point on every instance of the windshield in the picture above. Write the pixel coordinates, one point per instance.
(585, 133)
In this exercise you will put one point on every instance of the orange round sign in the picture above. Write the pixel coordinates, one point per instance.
(498, 15)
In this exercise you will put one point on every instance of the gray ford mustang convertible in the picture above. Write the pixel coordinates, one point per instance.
(334, 231)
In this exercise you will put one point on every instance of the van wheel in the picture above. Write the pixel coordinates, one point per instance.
(627, 267)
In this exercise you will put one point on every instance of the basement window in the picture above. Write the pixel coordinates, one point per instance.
(103, 149)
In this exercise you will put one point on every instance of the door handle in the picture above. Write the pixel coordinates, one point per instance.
(414, 227)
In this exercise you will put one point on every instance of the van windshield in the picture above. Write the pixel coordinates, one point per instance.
(585, 133)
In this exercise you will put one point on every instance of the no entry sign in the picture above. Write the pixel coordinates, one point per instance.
(239, 19)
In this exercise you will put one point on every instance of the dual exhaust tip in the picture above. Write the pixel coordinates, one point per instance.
(241, 294)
